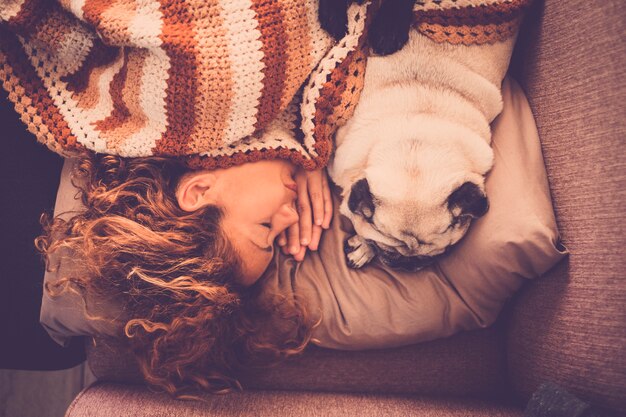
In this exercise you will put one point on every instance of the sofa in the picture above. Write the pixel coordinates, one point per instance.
(569, 327)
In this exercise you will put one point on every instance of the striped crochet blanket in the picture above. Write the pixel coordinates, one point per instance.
(216, 82)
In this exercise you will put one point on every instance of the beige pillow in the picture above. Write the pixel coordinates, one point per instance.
(377, 307)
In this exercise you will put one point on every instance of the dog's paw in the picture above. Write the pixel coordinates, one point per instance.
(358, 252)
(390, 29)
(333, 17)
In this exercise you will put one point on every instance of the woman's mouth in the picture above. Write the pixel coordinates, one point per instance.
(292, 186)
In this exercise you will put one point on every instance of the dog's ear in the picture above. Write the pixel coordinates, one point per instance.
(361, 200)
(468, 200)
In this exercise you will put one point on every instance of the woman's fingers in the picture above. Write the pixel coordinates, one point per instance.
(304, 211)
(315, 209)
(315, 184)
(316, 234)
(293, 237)
(300, 255)
(282, 239)
(282, 242)
(328, 201)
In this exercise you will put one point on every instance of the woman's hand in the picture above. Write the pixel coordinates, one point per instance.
(315, 208)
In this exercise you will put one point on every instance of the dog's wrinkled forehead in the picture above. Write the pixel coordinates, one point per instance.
(423, 181)
(433, 150)
(422, 217)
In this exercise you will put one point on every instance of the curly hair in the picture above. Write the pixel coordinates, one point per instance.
(189, 324)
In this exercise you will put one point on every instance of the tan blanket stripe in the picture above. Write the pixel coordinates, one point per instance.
(182, 82)
(120, 15)
(92, 13)
(244, 52)
(274, 41)
(145, 29)
(83, 83)
(119, 112)
(127, 116)
(131, 95)
(212, 104)
(298, 60)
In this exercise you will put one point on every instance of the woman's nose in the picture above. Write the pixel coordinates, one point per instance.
(284, 217)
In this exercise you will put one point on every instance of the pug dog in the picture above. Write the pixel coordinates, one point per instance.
(412, 160)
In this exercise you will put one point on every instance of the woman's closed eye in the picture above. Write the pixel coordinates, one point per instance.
(268, 226)
(269, 246)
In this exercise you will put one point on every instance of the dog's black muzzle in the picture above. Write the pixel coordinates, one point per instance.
(396, 260)
(408, 263)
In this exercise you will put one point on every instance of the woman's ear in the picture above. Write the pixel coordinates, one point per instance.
(195, 190)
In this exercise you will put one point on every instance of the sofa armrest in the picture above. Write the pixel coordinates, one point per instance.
(570, 326)
(469, 364)
(110, 399)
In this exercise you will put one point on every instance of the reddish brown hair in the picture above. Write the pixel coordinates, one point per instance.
(188, 322)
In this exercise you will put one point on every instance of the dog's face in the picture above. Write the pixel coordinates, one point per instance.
(415, 193)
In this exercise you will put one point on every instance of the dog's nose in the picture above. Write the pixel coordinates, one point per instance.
(407, 263)
(361, 200)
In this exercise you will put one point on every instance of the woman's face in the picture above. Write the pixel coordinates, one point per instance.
(258, 200)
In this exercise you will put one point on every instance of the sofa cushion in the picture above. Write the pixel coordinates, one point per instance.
(570, 326)
(110, 399)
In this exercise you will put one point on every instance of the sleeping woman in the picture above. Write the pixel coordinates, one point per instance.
(184, 119)
(180, 251)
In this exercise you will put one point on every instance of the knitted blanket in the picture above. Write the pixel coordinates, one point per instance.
(215, 82)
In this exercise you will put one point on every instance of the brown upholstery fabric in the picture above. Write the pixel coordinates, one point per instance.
(468, 364)
(570, 326)
(108, 399)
